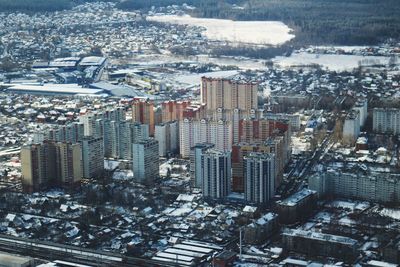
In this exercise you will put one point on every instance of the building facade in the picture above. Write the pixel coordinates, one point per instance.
(351, 127)
(228, 94)
(372, 186)
(215, 173)
(145, 161)
(143, 112)
(92, 157)
(195, 163)
(192, 132)
(259, 172)
(386, 120)
(50, 164)
(167, 135)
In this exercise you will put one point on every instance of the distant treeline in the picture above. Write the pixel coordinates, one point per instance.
(345, 22)
(39, 5)
(34, 5)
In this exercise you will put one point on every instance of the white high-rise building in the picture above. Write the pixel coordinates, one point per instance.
(362, 107)
(217, 132)
(145, 161)
(216, 174)
(120, 135)
(386, 120)
(89, 119)
(195, 163)
(259, 171)
(73, 132)
(351, 127)
(167, 136)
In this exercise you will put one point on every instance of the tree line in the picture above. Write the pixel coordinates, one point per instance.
(34, 6)
(345, 22)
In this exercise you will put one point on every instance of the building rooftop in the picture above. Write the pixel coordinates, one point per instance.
(14, 260)
(92, 61)
(320, 236)
(50, 89)
(297, 197)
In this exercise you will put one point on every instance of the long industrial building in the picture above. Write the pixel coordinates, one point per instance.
(52, 89)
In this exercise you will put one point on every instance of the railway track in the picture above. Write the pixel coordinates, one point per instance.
(52, 251)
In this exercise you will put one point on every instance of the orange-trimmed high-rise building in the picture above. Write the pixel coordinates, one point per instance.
(143, 112)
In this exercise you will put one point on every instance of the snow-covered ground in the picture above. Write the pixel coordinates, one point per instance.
(250, 32)
(332, 62)
(349, 205)
(392, 213)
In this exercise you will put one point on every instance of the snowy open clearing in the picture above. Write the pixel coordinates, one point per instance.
(251, 32)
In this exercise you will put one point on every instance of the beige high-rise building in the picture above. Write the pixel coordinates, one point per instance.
(50, 163)
(69, 163)
(228, 94)
(37, 170)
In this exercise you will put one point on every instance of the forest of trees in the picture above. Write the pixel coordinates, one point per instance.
(40, 5)
(345, 22)
(34, 5)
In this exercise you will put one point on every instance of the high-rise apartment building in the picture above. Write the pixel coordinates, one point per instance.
(386, 120)
(120, 135)
(228, 94)
(368, 185)
(90, 120)
(259, 170)
(362, 107)
(143, 112)
(37, 170)
(173, 110)
(92, 157)
(167, 135)
(73, 132)
(216, 174)
(254, 130)
(195, 163)
(351, 127)
(215, 132)
(69, 163)
(50, 163)
(145, 161)
(278, 145)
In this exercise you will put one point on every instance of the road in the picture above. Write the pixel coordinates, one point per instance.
(297, 175)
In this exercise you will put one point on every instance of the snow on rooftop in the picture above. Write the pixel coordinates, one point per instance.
(380, 263)
(297, 197)
(349, 205)
(90, 61)
(250, 209)
(185, 197)
(55, 88)
(320, 236)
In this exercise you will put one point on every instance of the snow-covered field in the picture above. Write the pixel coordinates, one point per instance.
(332, 62)
(250, 32)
